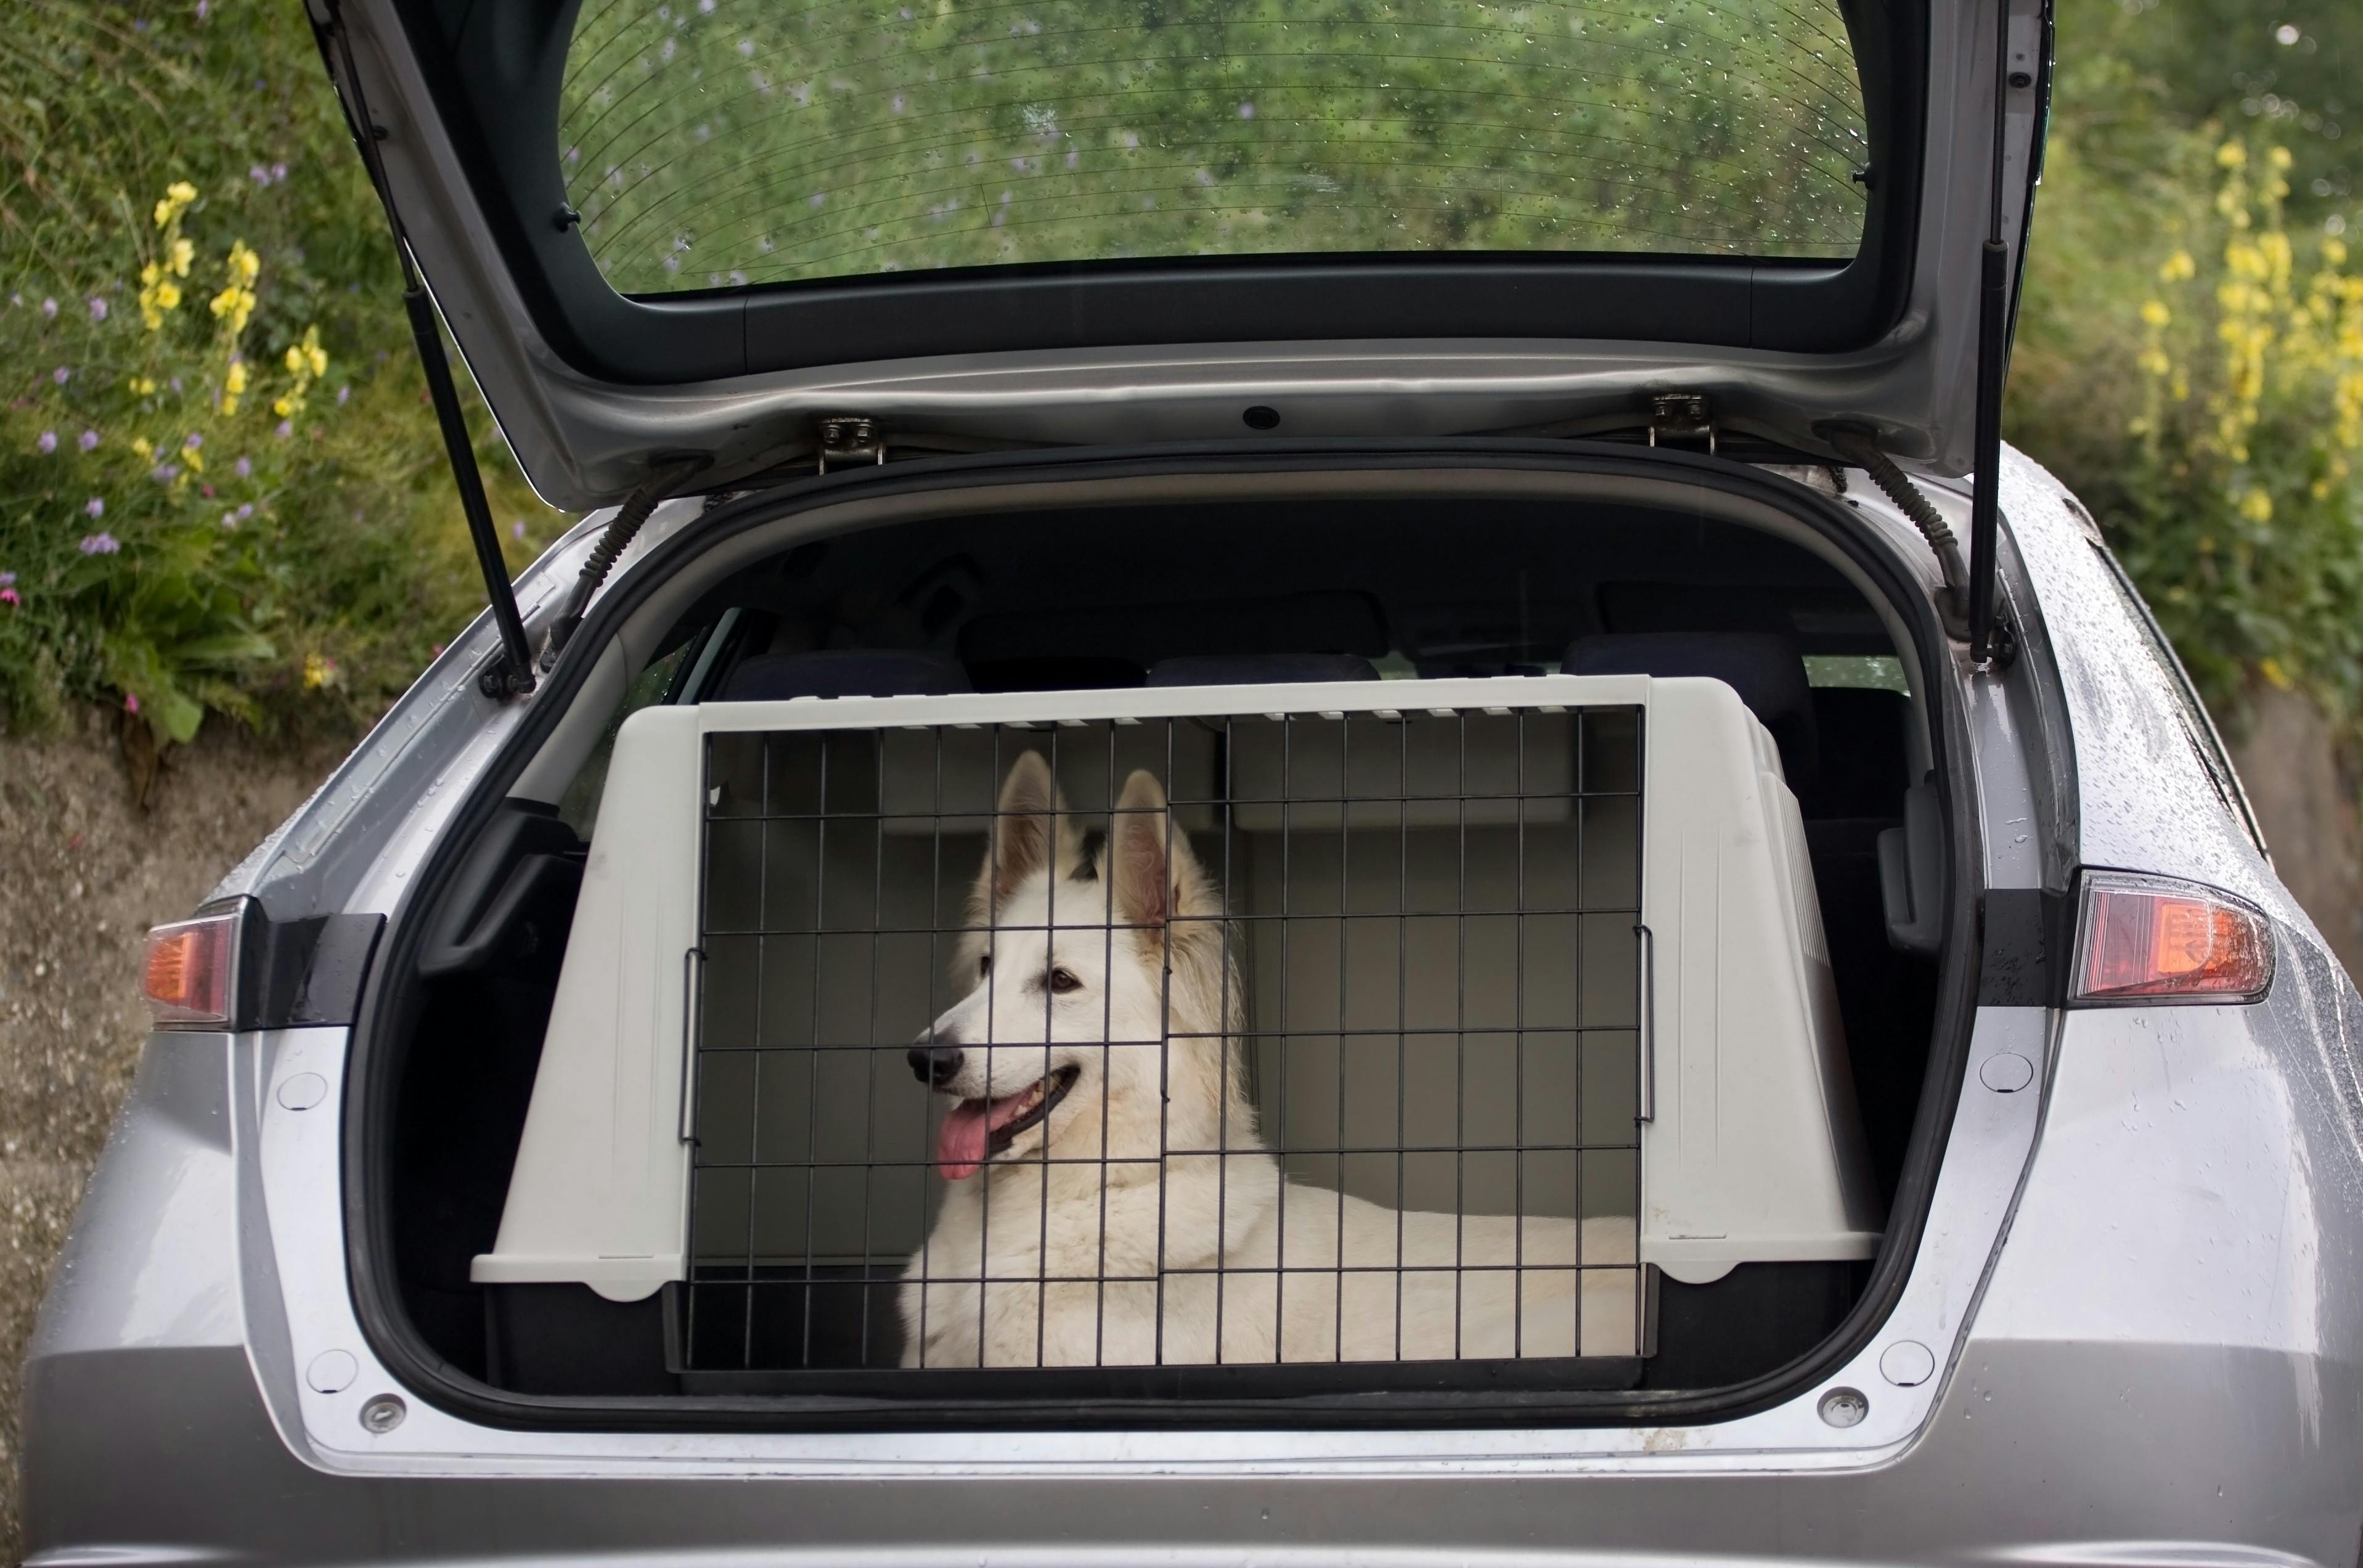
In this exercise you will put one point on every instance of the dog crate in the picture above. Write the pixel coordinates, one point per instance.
(1376, 1022)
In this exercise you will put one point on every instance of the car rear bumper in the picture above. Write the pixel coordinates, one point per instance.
(2040, 1453)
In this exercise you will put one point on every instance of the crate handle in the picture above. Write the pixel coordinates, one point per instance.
(693, 1020)
(1648, 1111)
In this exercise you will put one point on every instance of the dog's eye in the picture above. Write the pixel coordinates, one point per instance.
(1063, 981)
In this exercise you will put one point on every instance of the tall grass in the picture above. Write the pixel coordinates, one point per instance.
(220, 489)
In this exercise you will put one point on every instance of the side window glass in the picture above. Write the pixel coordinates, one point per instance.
(579, 807)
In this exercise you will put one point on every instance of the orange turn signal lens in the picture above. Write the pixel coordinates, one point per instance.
(2147, 938)
(192, 968)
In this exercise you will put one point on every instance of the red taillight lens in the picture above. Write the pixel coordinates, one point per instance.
(191, 971)
(2147, 938)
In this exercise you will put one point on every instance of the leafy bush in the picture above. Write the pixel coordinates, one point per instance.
(2192, 363)
(220, 488)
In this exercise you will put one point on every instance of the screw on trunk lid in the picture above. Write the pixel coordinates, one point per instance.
(849, 437)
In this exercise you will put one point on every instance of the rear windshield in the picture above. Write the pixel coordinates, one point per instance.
(714, 143)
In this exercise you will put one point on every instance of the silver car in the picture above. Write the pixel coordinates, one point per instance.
(1795, 925)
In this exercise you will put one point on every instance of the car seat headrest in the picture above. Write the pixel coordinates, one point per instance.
(1762, 667)
(1260, 669)
(842, 672)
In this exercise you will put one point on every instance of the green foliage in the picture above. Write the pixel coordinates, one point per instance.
(2190, 361)
(710, 146)
(220, 490)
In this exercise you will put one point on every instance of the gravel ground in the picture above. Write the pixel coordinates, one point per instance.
(83, 873)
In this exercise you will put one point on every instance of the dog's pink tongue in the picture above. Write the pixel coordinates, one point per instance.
(960, 1140)
(966, 1135)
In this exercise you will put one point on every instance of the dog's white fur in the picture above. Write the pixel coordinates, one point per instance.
(1165, 1251)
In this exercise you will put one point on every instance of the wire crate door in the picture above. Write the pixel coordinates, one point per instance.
(1175, 1039)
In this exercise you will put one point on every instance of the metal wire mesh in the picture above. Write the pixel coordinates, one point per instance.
(1332, 1022)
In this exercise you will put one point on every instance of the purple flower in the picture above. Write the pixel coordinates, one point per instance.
(204, 6)
(283, 430)
(7, 579)
(87, 440)
(279, 170)
(242, 468)
(1246, 111)
(343, 393)
(61, 376)
(258, 174)
(97, 308)
(46, 442)
(100, 544)
(192, 442)
(517, 530)
(94, 507)
(49, 308)
(165, 472)
(245, 511)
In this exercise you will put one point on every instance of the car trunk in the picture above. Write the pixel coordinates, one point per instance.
(1565, 1034)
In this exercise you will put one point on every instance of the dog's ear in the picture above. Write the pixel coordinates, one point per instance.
(1150, 871)
(1031, 827)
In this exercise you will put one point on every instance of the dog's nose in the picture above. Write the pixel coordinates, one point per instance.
(935, 1061)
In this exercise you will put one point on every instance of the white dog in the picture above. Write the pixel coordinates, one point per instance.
(1104, 1158)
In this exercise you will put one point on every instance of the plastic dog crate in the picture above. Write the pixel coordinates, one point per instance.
(1523, 996)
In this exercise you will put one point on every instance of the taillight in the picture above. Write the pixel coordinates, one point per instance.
(193, 972)
(2150, 939)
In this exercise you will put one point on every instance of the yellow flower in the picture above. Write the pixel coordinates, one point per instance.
(139, 445)
(179, 255)
(2177, 267)
(167, 295)
(244, 265)
(2256, 507)
(2155, 312)
(318, 672)
(2271, 670)
(284, 407)
(177, 197)
(2231, 155)
(141, 385)
(294, 359)
(2334, 253)
(234, 381)
(194, 458)
(2281, 157)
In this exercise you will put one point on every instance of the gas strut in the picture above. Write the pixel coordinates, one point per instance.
(1994, 358)
(512, 674)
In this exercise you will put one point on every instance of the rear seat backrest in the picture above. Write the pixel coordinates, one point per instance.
(1260, 669)
(1762, 667)
(842, 672)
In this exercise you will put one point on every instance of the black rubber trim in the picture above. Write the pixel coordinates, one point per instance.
(2030, 933)
(301, 974)
(368, 1081)
(494, 73)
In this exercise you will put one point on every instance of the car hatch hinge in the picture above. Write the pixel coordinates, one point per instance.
(848, 438)
(1682, 417)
